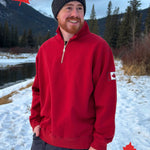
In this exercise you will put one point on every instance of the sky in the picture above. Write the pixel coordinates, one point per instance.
(44, 6)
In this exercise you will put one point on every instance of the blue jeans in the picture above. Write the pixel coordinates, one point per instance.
(39, 144)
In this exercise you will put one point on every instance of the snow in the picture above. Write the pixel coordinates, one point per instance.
(15, 132)
(132, 114)
(3, 2)
(7, 59)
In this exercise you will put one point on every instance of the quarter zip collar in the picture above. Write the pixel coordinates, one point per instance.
(64, 49)
(84, 30)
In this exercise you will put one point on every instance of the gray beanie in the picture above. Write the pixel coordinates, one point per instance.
(58, 4)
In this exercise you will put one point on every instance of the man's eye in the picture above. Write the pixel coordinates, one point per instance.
(80, 8)
(69, 8)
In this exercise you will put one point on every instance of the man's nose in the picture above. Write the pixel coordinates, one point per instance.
(74, 12)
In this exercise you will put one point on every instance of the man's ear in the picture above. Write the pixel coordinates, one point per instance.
(57, 17)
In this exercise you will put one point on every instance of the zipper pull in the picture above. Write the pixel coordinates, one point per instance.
(62, 58)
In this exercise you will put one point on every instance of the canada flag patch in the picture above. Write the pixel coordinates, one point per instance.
(112, 75)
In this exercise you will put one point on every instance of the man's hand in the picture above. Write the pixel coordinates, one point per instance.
(37, 130)
(91, 148)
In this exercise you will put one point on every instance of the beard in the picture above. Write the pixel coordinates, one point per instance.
(72, 29)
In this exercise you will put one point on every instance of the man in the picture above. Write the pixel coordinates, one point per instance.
(74, 92)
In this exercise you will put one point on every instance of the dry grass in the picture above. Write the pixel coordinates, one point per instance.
(29, 85)
(7, 99)
(135, 69)
(137, 61)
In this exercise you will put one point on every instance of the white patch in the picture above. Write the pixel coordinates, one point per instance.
(113, 75)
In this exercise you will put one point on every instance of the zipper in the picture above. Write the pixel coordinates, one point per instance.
(62, 58)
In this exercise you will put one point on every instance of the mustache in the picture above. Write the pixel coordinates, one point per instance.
(74, 18)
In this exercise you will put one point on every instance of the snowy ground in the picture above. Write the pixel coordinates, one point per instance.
(132, 115)
(7, 59)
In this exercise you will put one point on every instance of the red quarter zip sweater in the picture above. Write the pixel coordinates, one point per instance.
(74, 100)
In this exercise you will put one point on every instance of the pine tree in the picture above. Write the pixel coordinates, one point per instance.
(47, 35)
(23, 41)
(147, 22)
(93, 23)
(125, 36)
(135, 20)
(108, 29)
(16, 43)
(40, 40)
(1, 35)
(114, 28)
(30, 39)
(12, 36)
(6, 36)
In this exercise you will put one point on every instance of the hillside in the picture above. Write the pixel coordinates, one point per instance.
(25, 17)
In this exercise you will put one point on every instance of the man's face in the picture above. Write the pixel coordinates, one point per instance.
(71, 17)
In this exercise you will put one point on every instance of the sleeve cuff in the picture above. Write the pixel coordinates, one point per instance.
(99, 146)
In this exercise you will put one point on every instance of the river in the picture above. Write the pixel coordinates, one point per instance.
(15, 74)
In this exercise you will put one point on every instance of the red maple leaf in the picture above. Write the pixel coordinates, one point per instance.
(24, 1)
(129, 147)
(114, 76)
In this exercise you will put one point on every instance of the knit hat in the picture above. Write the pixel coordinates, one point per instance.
(58, 4)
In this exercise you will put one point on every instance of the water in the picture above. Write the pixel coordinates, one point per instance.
(16, 74)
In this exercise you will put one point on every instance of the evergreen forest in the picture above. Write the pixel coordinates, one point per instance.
(127, 34)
